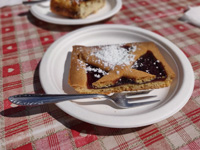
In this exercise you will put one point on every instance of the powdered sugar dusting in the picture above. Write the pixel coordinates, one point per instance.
(96, 71)
(114, 55)
(81, 63)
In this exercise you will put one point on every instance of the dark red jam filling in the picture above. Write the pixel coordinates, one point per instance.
(93, 76)
(147, 63)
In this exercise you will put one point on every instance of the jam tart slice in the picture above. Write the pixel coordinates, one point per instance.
(119, 67)
(76, 9)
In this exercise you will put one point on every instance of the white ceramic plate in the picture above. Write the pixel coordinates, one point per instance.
(55, 67)
(42, 11)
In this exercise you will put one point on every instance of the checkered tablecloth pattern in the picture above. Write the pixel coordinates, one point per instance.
(24, 40)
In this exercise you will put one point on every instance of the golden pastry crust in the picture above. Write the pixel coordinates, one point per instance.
(76, 8)
(108, 83)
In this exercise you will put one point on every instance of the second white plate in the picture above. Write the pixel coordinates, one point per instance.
(55, 65)
(42, 11)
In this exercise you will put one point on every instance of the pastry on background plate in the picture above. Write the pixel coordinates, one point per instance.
(114, 68)
(76, 9)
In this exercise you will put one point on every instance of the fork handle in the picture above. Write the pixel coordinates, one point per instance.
(41, 99)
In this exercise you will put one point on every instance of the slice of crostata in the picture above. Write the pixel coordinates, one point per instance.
(115, 68)
(76, 9)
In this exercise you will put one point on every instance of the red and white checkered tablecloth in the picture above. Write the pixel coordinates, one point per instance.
(24, 40)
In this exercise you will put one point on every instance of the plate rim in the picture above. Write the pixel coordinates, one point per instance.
(66, 21)
(98, 116)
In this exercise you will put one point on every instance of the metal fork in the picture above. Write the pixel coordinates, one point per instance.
(119, 99)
